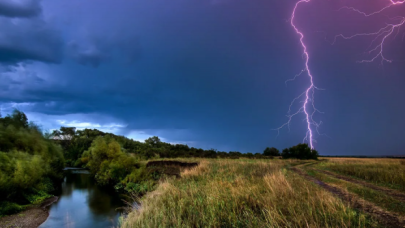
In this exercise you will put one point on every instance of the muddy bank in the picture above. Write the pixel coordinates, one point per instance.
(30, 218)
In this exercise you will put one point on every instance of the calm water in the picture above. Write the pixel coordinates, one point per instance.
(83, 204)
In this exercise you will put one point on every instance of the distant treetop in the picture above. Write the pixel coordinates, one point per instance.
(271, 152)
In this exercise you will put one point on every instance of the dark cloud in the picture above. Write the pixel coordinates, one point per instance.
(87, 56)
(209, 72)
(90, 57)
(94, 51)
(20, 8)
(23, 40)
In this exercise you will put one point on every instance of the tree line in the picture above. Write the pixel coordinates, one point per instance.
(75, 142)
(31, 162)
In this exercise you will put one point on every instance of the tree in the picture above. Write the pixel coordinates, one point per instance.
(68, 132)
(18, 119)
(153, 141)
(107, 161)
(210, 153)
(249, 155)
(29, 163)
(300, 151)
(271, 152)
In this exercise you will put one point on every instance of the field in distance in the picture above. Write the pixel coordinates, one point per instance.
(332, 192)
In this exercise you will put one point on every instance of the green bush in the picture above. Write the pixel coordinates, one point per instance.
(141, 187)
(300, 151)
(28, 163)
(108, 163)
(8, 208)
(271, 152)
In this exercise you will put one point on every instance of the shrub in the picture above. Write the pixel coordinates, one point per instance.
(271, 152)
(300, 151)
(8, 208)
(29, 163)
(111, 166)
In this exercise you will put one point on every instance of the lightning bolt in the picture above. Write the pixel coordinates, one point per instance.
(375, 50)
(376, 47)
(309, 94)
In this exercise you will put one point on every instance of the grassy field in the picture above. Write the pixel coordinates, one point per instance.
(384, 172)
(277, 193)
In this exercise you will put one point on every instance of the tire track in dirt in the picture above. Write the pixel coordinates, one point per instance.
(391, 192)
(386, 218)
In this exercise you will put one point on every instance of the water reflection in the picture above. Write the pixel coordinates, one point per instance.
(83, 204)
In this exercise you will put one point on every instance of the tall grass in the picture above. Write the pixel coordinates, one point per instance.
(388, 172)
(379, 198)
(232, 193)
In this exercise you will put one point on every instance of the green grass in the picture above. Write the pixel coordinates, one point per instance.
(384, 172)
(380, 199)
(8, 208)
(33, 198)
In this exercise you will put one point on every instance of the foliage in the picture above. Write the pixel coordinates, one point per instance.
(271, 152)
(74, 143)
(300, 151)
(18, 119)
(110, 165)
(7, 208)
(154, 142)
(141, 187)
(29, 163)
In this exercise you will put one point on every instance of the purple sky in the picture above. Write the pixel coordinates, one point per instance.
(208, 73)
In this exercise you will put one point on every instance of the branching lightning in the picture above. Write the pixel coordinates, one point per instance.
(375, 50)
(308, 94)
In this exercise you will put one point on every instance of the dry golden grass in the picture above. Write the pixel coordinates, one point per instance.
(196, 171)
(242, 193)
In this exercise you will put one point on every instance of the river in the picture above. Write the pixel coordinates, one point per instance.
(83, 204)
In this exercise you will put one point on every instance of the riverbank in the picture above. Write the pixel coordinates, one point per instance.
(32, 217)
(243, 193)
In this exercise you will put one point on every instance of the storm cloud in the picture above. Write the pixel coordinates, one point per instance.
(20, 8)
(25, 35)
(23, 40)
(208, 73)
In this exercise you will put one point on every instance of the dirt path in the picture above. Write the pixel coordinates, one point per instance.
(391, 192)
(384, 217)
(30, 218)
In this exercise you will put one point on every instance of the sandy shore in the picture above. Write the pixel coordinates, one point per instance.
(30, 218)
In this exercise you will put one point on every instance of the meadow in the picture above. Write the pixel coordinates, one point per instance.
(385, 172)
(333, 192)
(221, 189)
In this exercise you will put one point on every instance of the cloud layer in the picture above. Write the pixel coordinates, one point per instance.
(20, 8)
(209, 73)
